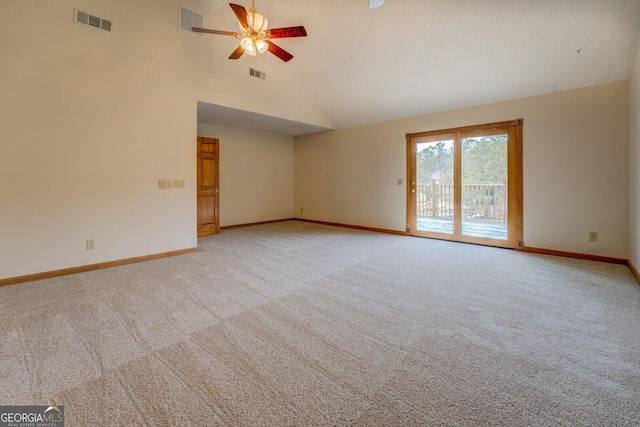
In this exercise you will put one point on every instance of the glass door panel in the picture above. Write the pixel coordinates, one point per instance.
(434, 186)
(484, 192)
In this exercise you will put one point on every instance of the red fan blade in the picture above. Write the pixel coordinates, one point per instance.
(279, 52)
(237, 53)
(241, 14)
(278, 33)
(222, 33)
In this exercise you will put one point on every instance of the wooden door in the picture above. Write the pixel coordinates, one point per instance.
(208, 187)
(466, 184)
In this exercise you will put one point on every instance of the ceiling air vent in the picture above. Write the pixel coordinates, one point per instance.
(257, 73)
(84, 18)
(189, 19)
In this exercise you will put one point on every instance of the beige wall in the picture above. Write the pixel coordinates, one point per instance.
(256, 175)
(634, 165)
(91, 121)
(576, 168)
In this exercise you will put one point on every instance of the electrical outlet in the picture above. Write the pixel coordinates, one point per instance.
(178, 183)
(593, 236)
(91, 244)
(301, 210)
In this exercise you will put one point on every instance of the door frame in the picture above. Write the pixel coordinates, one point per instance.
(515, 197)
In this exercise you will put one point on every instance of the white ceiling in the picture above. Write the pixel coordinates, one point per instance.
(413, 57)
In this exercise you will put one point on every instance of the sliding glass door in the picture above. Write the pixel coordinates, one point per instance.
(465, 184)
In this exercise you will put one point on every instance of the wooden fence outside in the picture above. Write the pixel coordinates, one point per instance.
(482, 202)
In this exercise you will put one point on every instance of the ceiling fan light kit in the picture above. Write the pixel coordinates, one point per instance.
(254, 34)
(256, 20)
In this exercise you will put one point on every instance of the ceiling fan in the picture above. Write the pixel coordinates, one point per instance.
(254, 35)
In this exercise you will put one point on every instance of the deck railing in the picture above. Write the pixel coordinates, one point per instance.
(483, 202)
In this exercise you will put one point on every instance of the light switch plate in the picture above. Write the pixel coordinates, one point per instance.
(166, 184)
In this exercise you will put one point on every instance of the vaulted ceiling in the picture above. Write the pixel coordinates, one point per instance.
(414, 57)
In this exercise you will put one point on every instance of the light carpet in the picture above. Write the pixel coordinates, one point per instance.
(298, 324)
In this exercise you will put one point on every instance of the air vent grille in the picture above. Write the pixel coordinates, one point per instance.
(94, 21)
(84, 18)
(189, 19)
(257, 73)
(105, 25)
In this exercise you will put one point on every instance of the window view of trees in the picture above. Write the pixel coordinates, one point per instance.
(435, 162)
(484, 160)
(483, 178)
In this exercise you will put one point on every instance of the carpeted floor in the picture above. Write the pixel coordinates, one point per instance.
(297, 324)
